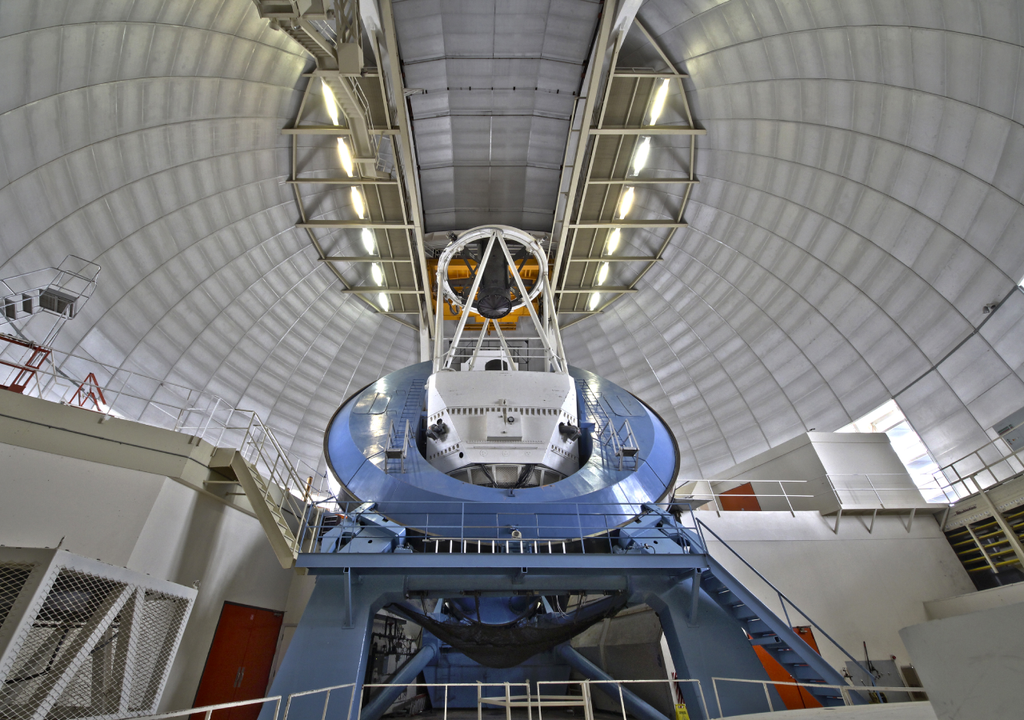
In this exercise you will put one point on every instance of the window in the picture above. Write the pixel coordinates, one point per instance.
(889, 419)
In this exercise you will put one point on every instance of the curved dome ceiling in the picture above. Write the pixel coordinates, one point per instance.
(859, 204)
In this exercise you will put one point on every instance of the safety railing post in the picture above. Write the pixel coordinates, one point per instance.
(579, 523)
(767, 696)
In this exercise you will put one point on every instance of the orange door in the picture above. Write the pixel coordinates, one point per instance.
(740, 497)
(238, 666)
(794, 697)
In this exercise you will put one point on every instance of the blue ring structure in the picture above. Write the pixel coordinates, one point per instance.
(413, 493)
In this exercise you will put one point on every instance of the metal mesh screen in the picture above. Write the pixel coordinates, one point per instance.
(96, 646)
(162, 616)
(12, 579)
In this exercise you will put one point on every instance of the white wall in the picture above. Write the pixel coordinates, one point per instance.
(99, 510)
(854, 462)
(972, 665)
(975, 602)
(148, 523)
(857, 586)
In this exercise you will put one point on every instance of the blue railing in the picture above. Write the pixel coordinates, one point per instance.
(453, 526)
(783, 600)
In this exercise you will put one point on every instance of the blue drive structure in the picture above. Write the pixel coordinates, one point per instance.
(485, 490)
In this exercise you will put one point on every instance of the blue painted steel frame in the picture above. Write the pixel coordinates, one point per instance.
(330, 646)
(358, 435)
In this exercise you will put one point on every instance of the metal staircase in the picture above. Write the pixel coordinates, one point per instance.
(280, 498)
(984, 549)
(774, 635)
(767, 630)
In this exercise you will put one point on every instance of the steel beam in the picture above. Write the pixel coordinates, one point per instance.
(645, 181)
(647, 74)
(365, 259)
(331, 130)
(617, 259)
(404, 151)
(599, 288)
(340, 181)
(593, 85)
(358, 224)
(653, 130)
(628, 225)
(381, 289)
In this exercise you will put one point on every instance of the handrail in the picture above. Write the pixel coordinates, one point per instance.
(558, 528)
(133, 396)
(783, 599)
(1007, 455)
(208, 709)
(844, 690)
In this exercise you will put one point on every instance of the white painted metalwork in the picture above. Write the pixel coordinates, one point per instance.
(83, 639)
(55, 294)
(496, 239)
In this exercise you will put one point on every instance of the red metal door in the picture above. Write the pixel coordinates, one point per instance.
(238, 666)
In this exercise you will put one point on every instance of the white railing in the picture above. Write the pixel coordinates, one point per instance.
(537, 695)
(208, 710)
(885, 490)
(121, 393)
(995, 462)
(714, 498)
(869, 694)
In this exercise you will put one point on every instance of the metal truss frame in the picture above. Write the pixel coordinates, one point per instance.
(587, 214)
(371, 109)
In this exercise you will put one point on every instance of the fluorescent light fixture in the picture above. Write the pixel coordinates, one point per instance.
(595, 300)
(330, 102)
(640, 155)
(658, 104)
(357, 202)
(625, 202)
(602, 274)
(368, 242)
(346, 158)
(378, 274)
(382, 300)
(613, 242)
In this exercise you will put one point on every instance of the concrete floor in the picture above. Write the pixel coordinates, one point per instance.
(891, 711)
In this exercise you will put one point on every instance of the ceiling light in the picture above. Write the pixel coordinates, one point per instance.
(595, 299)
(357, 202)
(368, 242)
(382, 300)
(602, 274)
(346, 157)
(625, 202)
(330, 102)
(613, 241)
(640, 155)
(378, 274)
(658, 104)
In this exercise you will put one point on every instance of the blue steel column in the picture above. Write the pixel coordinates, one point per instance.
(331, 644)
(638, 707)
(714, 645)
(398, 682)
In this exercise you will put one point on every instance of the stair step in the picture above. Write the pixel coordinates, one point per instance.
(766, 640)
